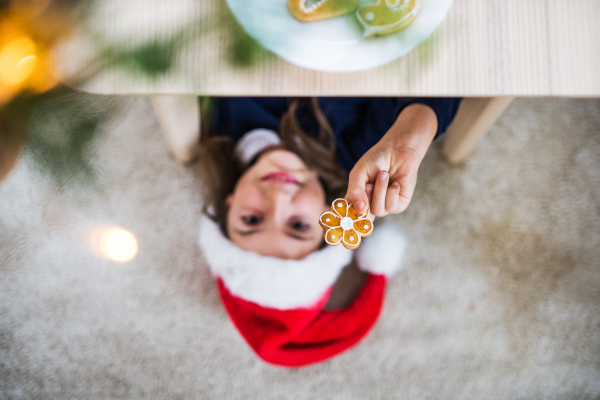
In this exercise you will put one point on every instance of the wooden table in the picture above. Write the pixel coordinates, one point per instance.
(487, 50)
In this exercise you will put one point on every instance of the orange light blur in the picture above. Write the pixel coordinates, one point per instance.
(26, 61)
(17, 60)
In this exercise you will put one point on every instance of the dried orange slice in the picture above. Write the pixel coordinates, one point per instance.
(317, 10)
(343, 224)
(387, 16)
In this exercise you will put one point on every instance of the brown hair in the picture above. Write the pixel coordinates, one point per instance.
(221, 169)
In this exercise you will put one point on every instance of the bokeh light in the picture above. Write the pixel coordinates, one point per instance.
(25, 67)
(119, 245)
(17, 60)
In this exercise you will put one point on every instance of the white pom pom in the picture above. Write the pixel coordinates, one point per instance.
(382, 252)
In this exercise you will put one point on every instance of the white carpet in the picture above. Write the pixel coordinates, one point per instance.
(499, 299)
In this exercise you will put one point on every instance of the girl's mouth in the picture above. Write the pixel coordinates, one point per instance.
(280, 177)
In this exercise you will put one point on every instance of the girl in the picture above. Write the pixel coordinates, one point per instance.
(271, 166)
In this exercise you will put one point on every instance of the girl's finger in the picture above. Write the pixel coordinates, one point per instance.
(369, 191)
(392, 199)
(407, 188)
(356, 193)
(379, 194)
(370, 188)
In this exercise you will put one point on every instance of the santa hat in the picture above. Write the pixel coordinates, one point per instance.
(278, 305)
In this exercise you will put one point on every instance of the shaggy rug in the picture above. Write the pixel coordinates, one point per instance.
(499, 297)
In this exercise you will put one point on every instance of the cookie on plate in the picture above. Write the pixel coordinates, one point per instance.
(317, 10)
(387, 16)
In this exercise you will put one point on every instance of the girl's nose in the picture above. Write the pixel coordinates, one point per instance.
(279, 201)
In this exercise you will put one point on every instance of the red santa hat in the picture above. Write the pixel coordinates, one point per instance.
(277, 305)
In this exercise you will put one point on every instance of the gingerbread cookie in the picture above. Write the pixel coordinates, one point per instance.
(387, 16)
(344, 224)
(317, 10)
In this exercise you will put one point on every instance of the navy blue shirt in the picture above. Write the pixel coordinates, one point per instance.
(358, 123)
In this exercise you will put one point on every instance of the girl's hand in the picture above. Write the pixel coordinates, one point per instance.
(384, 179)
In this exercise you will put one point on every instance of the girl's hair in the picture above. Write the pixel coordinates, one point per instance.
(221, 169)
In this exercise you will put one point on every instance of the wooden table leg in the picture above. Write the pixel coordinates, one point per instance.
(179, 117)
(475, 116)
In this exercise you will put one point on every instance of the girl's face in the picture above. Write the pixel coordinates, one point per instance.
(275, 207)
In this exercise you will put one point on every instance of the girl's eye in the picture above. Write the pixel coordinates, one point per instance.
(299, 226)
(251, 219)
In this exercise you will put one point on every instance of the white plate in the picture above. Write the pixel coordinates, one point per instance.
(334, 45)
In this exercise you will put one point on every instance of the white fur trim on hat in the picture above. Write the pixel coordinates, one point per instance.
(270, 281)
(253, 142)
(381, 253)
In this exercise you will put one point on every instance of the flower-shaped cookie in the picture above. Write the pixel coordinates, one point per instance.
(344, 224)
